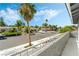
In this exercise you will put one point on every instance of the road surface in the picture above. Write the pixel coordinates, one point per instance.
(19, 40)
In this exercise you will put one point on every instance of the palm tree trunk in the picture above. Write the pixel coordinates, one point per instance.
(29, 38)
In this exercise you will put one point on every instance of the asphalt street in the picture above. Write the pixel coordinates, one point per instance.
(13, 41)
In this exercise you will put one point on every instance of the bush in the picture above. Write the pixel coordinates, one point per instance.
(12, 30)
(2, 30)
(26, 30)
(65, 29)
(11, 33)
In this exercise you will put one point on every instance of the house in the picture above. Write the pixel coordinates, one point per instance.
(2, 29)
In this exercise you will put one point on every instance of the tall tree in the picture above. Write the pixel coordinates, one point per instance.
(36, 26)
(44, 24)
(2, 22)
(46, 20)
(28, 10)
(18, 24)
(50, 26)
(55, 27)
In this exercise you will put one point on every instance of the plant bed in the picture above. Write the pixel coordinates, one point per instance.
(11, 33)
(65, 29)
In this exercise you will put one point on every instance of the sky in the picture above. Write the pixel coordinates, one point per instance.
(56, 13)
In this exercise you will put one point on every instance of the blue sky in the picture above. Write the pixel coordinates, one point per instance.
(56, 13)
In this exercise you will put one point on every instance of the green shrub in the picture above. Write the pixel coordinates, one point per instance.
(61, 30)
(26, 30)
(11, 33)
(65, 29)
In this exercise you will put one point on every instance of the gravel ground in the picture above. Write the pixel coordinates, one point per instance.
(18, 40)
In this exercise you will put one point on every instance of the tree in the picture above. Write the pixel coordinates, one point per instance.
(55, 27)
(36, 26)
(44, 24)
(18, 24)
(28, 10)
(50, 26)
(46, 20)
(2, 22)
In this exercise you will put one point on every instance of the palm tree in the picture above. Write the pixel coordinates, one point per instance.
(45, 25)
(28, 10)
(46, 20)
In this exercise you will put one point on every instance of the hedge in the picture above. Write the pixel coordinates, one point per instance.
(12, 33)
(65, 29)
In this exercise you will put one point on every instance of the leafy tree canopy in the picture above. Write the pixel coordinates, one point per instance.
(2, 23)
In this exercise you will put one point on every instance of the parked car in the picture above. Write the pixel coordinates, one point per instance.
(2, 37)
(42, 31)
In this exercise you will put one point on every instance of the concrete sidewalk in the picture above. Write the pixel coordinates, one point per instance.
(72, 47)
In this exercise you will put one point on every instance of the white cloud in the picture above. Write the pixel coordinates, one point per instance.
(10, 16)
(47, 13)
